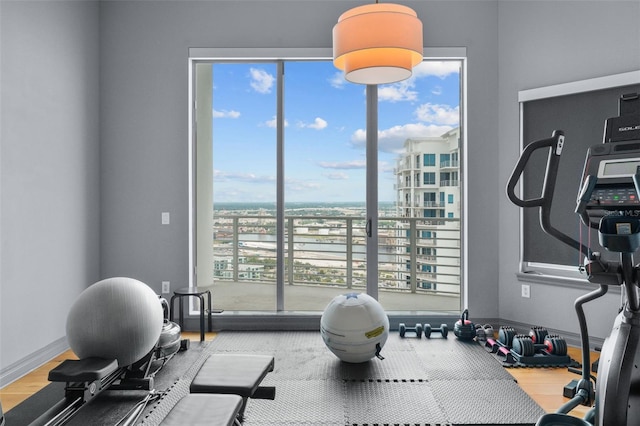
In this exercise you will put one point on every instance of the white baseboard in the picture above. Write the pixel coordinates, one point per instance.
(32, 361)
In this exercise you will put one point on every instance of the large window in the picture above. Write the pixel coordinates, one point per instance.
(429, 160)
(279, 184)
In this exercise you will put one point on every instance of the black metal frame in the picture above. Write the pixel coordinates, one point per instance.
(617, 398)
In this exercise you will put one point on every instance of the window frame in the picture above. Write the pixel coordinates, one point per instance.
(549, 273)
(198, 55)
(429, 160)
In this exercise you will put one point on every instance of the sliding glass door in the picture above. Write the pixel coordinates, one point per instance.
(280, 218)
(324, 185)
(243, 185)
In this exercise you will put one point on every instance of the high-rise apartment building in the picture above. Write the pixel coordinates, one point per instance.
(428, 196)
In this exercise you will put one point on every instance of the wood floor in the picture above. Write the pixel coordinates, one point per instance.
(543, 385)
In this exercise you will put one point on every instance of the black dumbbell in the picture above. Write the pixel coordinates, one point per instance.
(443, 330)
(523, 345)
(538, 334)
(506, 335)
(417, 329)
(555, 344)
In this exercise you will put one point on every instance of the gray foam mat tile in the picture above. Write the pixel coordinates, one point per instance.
(396, 343)
(325, 366)
(250, 341)
(396, 365)
(422, 382)
(304, 356)
(392, 403)
(493, 402)
(457, 360)
(305, 364)
(300, 402)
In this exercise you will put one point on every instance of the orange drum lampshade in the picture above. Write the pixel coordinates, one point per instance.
(377, 43)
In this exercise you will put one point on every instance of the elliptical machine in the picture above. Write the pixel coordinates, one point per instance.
(609, 201)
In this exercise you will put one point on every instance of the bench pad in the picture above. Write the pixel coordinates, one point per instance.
(204, 410)
(83, 370)
(237, 374)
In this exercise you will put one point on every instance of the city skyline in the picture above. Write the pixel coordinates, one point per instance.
(324, 128)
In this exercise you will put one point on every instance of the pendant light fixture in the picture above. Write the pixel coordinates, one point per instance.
(377, 43)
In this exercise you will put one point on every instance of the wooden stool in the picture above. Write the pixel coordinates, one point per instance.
(198, 292)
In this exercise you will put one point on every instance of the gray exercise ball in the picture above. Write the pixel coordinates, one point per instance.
(117, 318)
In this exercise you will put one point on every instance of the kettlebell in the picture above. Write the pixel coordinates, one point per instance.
(463, 328)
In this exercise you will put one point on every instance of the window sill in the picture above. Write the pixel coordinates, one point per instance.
(537, 277)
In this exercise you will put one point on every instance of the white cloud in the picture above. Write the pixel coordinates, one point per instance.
(344, 165)
(297, 185)
(273, 123)
(318, 124)
(222, 176)
(384, 167)
(261, 81)
(438, 114)
(338, 81)
(397, 92)
(336, 176)
(392, 139)
(225, 113)
(439, 69)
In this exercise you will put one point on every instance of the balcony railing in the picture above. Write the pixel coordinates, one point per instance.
(449, 164)
(331, 251)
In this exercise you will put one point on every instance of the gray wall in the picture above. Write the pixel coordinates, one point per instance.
(545, 43)
(144, 48)
(75, 209)
(49, 208)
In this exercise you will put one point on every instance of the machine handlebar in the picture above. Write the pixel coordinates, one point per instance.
(554, 143)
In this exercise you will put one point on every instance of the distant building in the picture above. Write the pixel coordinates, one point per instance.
(223, 269)
(428, 187)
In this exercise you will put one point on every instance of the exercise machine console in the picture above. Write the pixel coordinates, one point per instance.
(609, 201)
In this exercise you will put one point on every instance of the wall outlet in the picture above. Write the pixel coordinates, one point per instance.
(526, 291)
(166, 286)
(166, 218)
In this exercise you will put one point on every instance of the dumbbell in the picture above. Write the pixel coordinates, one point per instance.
(484, 332)
(488, 331)
(506, 335)
(538, 334)
(417, 329)
(523, 345)
(443, 330)
(555, 345)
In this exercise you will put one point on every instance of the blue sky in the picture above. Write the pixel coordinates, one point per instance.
(324, 128)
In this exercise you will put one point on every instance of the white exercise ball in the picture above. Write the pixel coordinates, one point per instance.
(354, 327)
(117, 318)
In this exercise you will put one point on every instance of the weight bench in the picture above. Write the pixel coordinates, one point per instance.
(232, 374)
(204, 410)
